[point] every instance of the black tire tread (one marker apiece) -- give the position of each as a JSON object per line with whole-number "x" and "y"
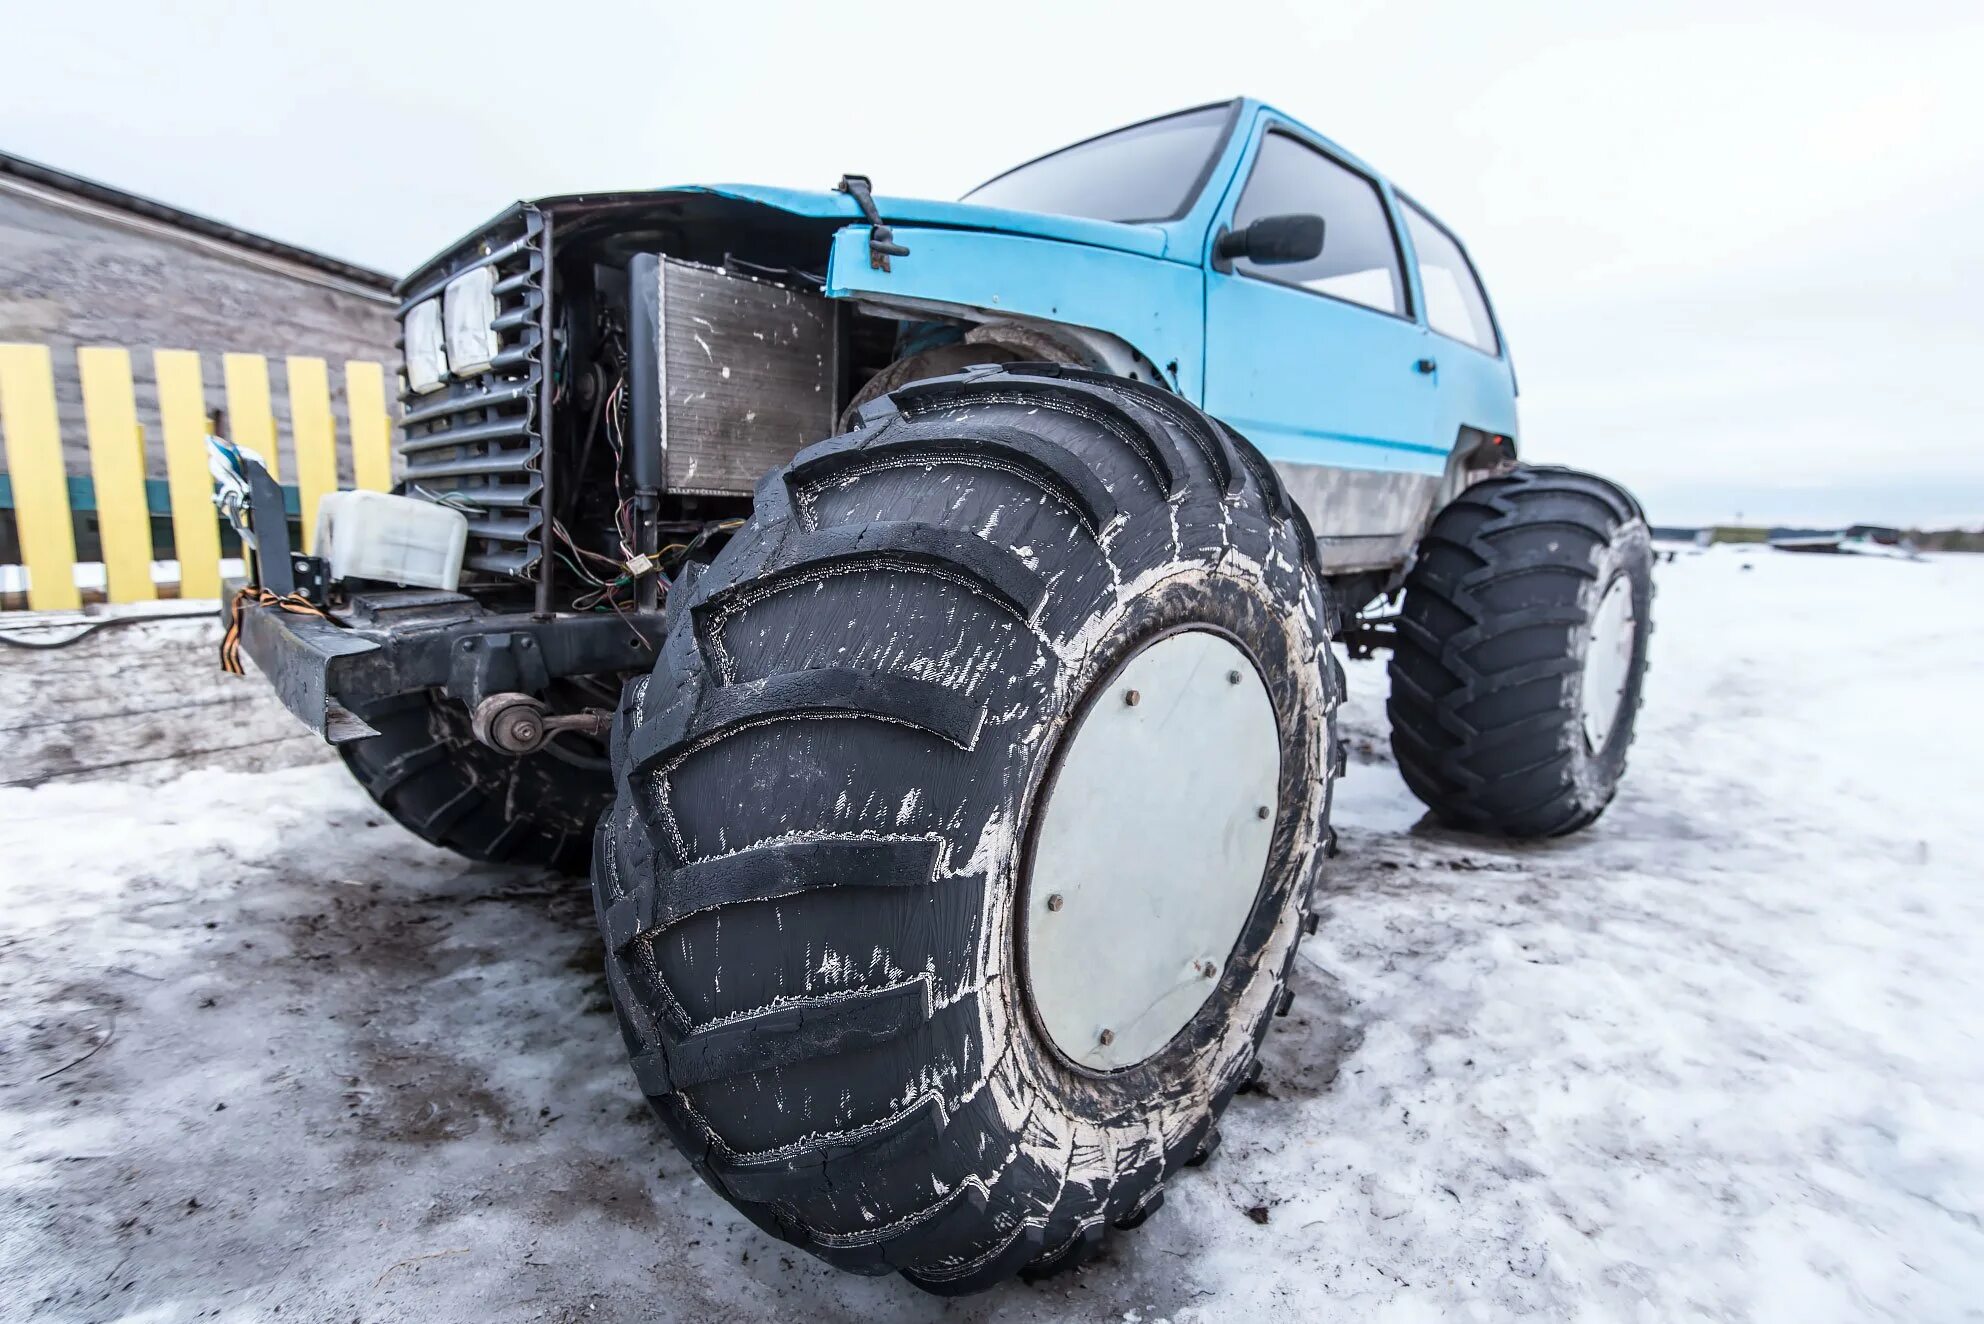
{"x": 993, "y": 569}
{"x": 910, "y": 442}
{"x": 783, "y": 1034}
{"x": 761, "y": 873}
{"x": 430, "y": 775}
{"x": 904, "y": 700}
{"x": 647, "y": 885}
{"x": 1468, "y": 736}
{"x": 1084, "y": 396}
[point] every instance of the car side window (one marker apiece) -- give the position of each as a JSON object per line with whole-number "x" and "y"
{"x": 1455, "y": 305}
{"x": 1359, "y": 262}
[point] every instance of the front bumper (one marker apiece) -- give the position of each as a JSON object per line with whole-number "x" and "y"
{"x": 329, "y": 672}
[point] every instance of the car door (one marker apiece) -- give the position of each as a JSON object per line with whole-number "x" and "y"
{"x": 1322, "y": 364}
{"x": 1477, "y": 386}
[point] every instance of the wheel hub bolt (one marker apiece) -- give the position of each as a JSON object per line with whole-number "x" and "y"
{"x": 1262, "y": 812}
{"x": 1107, "y": 1037}
{"x": 1054, "y": 901}
{"x": 1232, "y": 678}
{"x": 1132, "y": 698}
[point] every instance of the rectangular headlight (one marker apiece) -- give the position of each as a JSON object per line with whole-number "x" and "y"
{"x": 426, "y": 359}
{"x": 470, "y": 301}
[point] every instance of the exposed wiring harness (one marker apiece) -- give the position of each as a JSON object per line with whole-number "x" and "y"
{"x": 602, "y": 578}
{"x": 616, "y": 439}
{"x": 230, "y": 643}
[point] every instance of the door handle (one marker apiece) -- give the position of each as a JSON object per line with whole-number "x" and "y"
{"x": 1426, "y": 366}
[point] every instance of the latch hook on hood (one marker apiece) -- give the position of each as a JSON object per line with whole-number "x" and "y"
{"x": 882, "y": 243}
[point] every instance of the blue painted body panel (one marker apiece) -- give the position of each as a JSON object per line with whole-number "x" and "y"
{"x": 1310, "y": 379}
{"x": 1148, "y": 240}
{"x": 1307, "y": 378}
{"x": 1154, "y": 305}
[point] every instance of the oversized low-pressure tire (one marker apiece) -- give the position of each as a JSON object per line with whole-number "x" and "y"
{"x": 937, "y": 361}
{"x": 1521, "y": 646}
{"x": 967, "y": 823}
{"x": 429, "y": 772}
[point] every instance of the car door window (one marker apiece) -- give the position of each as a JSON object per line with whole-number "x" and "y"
{"x": 1359, "y": 262}
{"x": 1455, "y": 305}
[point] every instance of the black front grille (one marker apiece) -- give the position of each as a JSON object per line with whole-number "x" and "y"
{"x": 477, "y": 442}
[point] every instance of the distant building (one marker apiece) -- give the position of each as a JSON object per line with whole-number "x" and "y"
{"x": 82, "y": 263}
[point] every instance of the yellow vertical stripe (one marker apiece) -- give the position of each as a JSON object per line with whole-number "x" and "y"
{"x": 250, "y": 421}
{"x": 371, "y": 430}
{"x": 117, "y": 464}
{"x": 41, "y": 488}
{"x": 182, "y": 408}
{"x": 310, "y": 426}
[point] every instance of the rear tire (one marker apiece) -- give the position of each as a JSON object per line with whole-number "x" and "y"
{"x": 1498, "y": 723}
{"x": 429, "y": 772}
{"x": 814, "y": 883}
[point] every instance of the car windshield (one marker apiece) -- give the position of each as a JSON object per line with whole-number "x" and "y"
{"x": 1147, "y": 172}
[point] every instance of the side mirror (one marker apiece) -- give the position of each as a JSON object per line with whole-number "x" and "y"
{"x": 1271, "y": 241}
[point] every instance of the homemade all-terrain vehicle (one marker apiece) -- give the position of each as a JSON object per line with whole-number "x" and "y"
{"x": 918, "y": 615}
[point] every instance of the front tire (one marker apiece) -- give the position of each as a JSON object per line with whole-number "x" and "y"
{"x": 815, "y": 885}
{"x": 1521, "y": 647}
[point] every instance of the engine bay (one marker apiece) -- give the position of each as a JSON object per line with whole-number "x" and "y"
{"x": 596, "y": 385}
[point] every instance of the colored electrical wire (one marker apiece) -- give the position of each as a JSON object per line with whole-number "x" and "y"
{"x": 230, "y": 643}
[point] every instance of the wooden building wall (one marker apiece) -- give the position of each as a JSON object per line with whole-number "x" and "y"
{"x": 75, "y": 273}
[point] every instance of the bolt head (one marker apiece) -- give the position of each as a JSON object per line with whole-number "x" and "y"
{"x": 1232, "y": 678}
{"x": 1132, "y": 698}
{"x": 1107, "y": 1037}
{"x": 1054, "y": 901}
{"x": 1263, "y": 812}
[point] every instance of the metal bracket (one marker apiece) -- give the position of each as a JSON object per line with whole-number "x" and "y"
{"x": 312, "y": 577}
{"x": 495, "y": 663}
{"x": 270, "y": 523}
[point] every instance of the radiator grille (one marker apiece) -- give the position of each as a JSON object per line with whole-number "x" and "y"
{"x": 477, "y": 440}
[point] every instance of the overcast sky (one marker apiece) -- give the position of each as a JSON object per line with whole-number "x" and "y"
{"x": 1737, "y": 249}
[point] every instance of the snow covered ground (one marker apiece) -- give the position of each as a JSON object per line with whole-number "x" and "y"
{"x": 1719, "y": 1056}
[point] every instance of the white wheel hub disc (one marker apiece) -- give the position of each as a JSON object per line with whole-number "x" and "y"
{"x": 1150, "y": 849}
{"x": 1608, "y": 663}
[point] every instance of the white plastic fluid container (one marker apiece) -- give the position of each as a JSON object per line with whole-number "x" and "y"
{"x": 401, "y": 540}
